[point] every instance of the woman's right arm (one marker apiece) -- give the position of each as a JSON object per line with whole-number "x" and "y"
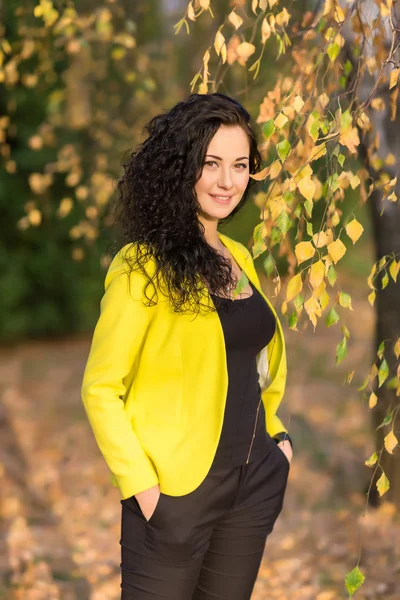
{"x": 118, "y": 335}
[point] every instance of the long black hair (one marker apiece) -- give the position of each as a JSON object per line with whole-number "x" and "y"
{"x": 157, "y": 207}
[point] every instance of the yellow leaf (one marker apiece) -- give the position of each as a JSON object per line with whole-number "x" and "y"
{"x": 203, "y": 88}
{"x": 280, "y": 121}
{"x": 304, "y": 251}
{"x": 218, "y": 42}
{"x": 312, "y": 308}
{"x": 235, "y": 20}
{"x": 205, "y": 4}
{"x": 394, "y": 76}
{"x": 354, "y": 181}
{"x": 298, "y": 103}
{"x": 294, "y": 287}
{"x": 275, "y": 169}
{"x": 317, "y": 152}
{"x": 320, "y": 239}
{"x": 396, "y": 348}
{"x": 391, "y": 442}
{"x": 223, "y": 53}
{"x": 336, "y": 250}
{"x": 354, "y": 230}
{"x": 392, "y": 197}
{"x": 382, "y": 484}
{"x": 265, "y": 30}
{"x": 319, "y": 290}
{"x": 317, "y": 273}
{"x": 190, "y": 12}
{"x": 261, "y": 175}
{"x": 338, "y": 13}
{"x": 373, "y": 399}
{"x": 245, "y": 50}
{"x": 282, "y": 18}
{"x": 350, "y": 139}
{"x": 307, "y": 187}
{"x": 371, "y": 297}
{"x": 394, "y": 269}
{"x": 324, "y": 300}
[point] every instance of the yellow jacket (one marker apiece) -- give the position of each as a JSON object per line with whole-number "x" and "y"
{"x": 155, "y": 384}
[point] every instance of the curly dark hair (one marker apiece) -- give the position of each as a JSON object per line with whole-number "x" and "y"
{"x": 157, "y": 208}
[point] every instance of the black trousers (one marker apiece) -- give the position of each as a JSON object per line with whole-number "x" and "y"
{"x": 206, "y": 545}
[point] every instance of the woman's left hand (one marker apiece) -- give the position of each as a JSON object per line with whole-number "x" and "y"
{"x": 286, "y": 448}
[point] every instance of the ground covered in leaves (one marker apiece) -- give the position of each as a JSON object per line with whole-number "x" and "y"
{"x": 60, "y": 517}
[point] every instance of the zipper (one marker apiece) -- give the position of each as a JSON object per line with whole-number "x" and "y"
{"x": 254, "y": 430}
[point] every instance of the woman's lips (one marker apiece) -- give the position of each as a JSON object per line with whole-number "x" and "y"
{"x": 221, "y": 199}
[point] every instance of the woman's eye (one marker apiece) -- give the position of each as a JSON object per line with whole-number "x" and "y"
{"x": 212, "y": 162}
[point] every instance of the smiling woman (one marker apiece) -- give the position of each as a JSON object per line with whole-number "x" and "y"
{"x": 183, "y": 407}
{"x": 224, "y": 179}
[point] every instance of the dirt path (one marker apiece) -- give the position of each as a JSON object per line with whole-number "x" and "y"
{"x": 61, "y": 517}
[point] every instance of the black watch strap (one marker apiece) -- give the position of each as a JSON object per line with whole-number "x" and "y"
{"x": 280, "y": 437}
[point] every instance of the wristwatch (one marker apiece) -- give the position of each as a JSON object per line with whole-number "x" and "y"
{"x": 280, "y": 437}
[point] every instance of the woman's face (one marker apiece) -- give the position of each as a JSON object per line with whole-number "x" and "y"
{"x": 225, "y": 174}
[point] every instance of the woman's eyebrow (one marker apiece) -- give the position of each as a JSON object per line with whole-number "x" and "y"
{"x": 219, "y": 158}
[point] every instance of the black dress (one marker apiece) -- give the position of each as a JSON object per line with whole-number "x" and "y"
{"x": 248, "y": 325}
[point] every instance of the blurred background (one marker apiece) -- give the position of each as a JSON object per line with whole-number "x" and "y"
{"x": 75, "y": 94}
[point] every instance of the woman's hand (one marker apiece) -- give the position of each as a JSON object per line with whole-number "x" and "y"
{"x": 148, "y": 500}
{"x": 286, "y": 448}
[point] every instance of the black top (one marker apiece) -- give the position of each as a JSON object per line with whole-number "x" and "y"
{"x": 248, "y": 325}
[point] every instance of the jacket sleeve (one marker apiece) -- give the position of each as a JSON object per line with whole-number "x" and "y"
{"x": 118, "y": 335}
{"x": 272, "y": 395}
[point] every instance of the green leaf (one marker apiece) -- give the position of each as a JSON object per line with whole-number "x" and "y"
{"x": 381, "y": 349}
{"x": 371, "y": 461}
{"x": 269, "y": 264}
{"x": 308, "y": 205}
{"x": 333, "y": 51}
{"x": 332, "y": 317}
{"x": 386, "y": 421}
{"x": 341, "y": 159}
{"x": 293, "y": 319}
{"x": 283, "y": 149}
{"x": 383, "y": 372}
{"x": 364, "y": 384}
{"x": 268, "y": 128}
{"x": 332, "y": 275}
{"x": 347, "y": 67}
{"x": 283, "y": 222}
{"x": 385, "y": 280}
{"x": 345, "y": 300}
{"x": 341, "y": 350}
{"x": 298, "y": 301}
{"x": 259, "y": 245}
{"x": 354, "y": 581}
{"x": 309, "y": 228}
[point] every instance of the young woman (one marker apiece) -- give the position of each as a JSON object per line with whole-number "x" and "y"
{"x": 185, "y": 375}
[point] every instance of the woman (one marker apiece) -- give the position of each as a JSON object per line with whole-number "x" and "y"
{"x": 185, "y": 374}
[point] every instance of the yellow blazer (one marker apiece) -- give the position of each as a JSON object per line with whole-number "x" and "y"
{"x": 155, "y": 383}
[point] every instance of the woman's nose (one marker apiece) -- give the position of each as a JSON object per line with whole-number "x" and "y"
{"x": 225, "y": 178}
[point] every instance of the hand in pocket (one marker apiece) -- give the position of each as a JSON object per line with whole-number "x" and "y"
{"x": 148, "y": 500}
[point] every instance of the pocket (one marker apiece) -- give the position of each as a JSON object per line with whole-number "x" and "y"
{"x": 151, "y": 520}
